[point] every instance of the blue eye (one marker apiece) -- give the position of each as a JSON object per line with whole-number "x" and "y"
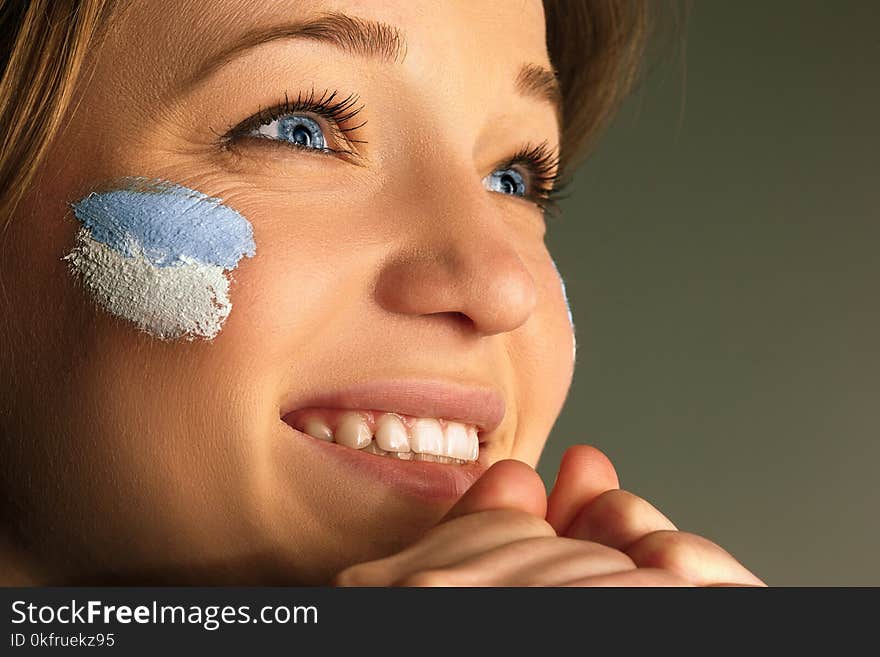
{"x": 296, "y": 129}
{"x": 506, "y": 181}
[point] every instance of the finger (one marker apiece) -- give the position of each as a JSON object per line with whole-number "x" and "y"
{"x": 544, "y": 561}
{"x": 693, "y": 557}
{"x": 584, "y": 473}
{"x": 639, "y": 577}
{"x": 449, "y": 543}
{"x": 617, "y": 518}
{"x": 507, "y": 484}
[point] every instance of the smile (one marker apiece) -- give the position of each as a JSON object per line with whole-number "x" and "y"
{"x": 391, "y": 434}
{"x": 416, "y": 420}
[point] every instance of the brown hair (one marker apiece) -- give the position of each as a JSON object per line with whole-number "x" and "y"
{"x": 42, "y": 50}
{"x": 596, "y": 47}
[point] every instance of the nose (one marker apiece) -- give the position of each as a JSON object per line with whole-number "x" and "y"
{"x": 462, "y": 260}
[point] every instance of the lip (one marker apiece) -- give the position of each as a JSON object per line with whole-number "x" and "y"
{"x": 478, "y": 405}
{"x": 481, "y": 406}
{"x": 424, "y": 480}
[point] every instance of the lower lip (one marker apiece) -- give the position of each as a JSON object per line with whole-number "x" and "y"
{"x": 426, "y": 480}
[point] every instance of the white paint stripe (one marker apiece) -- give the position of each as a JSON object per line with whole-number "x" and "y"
{"x": 189, "y": 300}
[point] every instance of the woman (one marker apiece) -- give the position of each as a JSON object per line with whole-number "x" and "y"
{"x": 277, "y": 305}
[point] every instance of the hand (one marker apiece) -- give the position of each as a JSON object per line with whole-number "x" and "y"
{"x": 497, "y": 535}
{"x": 587, "y": 503}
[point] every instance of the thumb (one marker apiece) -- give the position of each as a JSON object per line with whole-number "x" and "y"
{"x": 584, "y": 473}
{"x": 507, "y": 484}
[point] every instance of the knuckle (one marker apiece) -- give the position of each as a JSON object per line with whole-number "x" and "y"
{"x": 574, "y": 550}
{"x": 578, "y": 553}
{"x": 623, "y": 509}
{"x": 615, "y": 507}
{"x": 668, "y": 549}
{"x": 622, "y": 559}
{"x": 692, "y": 556}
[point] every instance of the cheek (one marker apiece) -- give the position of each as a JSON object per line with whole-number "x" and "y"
{"x": 158, "y": 255}
{"x": 544, "y": 366}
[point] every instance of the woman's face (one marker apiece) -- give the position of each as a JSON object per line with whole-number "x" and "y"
{"x": 409, "y": 276}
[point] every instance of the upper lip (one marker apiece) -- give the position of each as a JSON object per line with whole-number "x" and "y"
{"x": 470, "y": 404}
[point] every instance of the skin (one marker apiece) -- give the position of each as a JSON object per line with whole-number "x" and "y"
{"x": 154, "y": 461}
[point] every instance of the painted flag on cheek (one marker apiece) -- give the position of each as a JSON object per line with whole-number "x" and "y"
{"x": 158, "y": 254}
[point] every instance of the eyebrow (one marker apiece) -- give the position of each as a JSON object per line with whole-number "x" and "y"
{"x": 356, "y": 36}
{"x": 373, "y": 40}
{"x": 536, "y": 81}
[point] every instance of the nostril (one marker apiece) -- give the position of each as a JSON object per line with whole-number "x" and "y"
{"x": 458, "y": 319}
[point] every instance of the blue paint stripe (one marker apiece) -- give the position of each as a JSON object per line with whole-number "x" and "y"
{"x": 168, "y": 222}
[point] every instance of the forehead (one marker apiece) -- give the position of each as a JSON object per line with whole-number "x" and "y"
{"x": 459, "y": 35}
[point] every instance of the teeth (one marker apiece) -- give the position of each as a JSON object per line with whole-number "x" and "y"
{"x": 353, "y": 431}
{"x": 317, "y": 429}
{"x": 426, "y": 437}
{"x": 397, "y": 436}
{"x": 458, "y": 444}
{"x": 391, "y": 434}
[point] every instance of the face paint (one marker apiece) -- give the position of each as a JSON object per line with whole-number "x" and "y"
{"x": 568, "y": 308}
{"x": 156, "y": 253}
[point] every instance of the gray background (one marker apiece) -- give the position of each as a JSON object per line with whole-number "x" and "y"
{"x": 720, "y": 253}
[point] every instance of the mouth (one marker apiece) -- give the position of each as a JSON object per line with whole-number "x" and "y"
{"x": 393, "y": 435}
{"x": 407, "y": 431}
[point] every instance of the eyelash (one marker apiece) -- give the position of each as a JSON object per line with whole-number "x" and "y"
{"x": 540, "y": 161}
{"x": 336, "y": 112}
{"x": 545, "y": 179}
